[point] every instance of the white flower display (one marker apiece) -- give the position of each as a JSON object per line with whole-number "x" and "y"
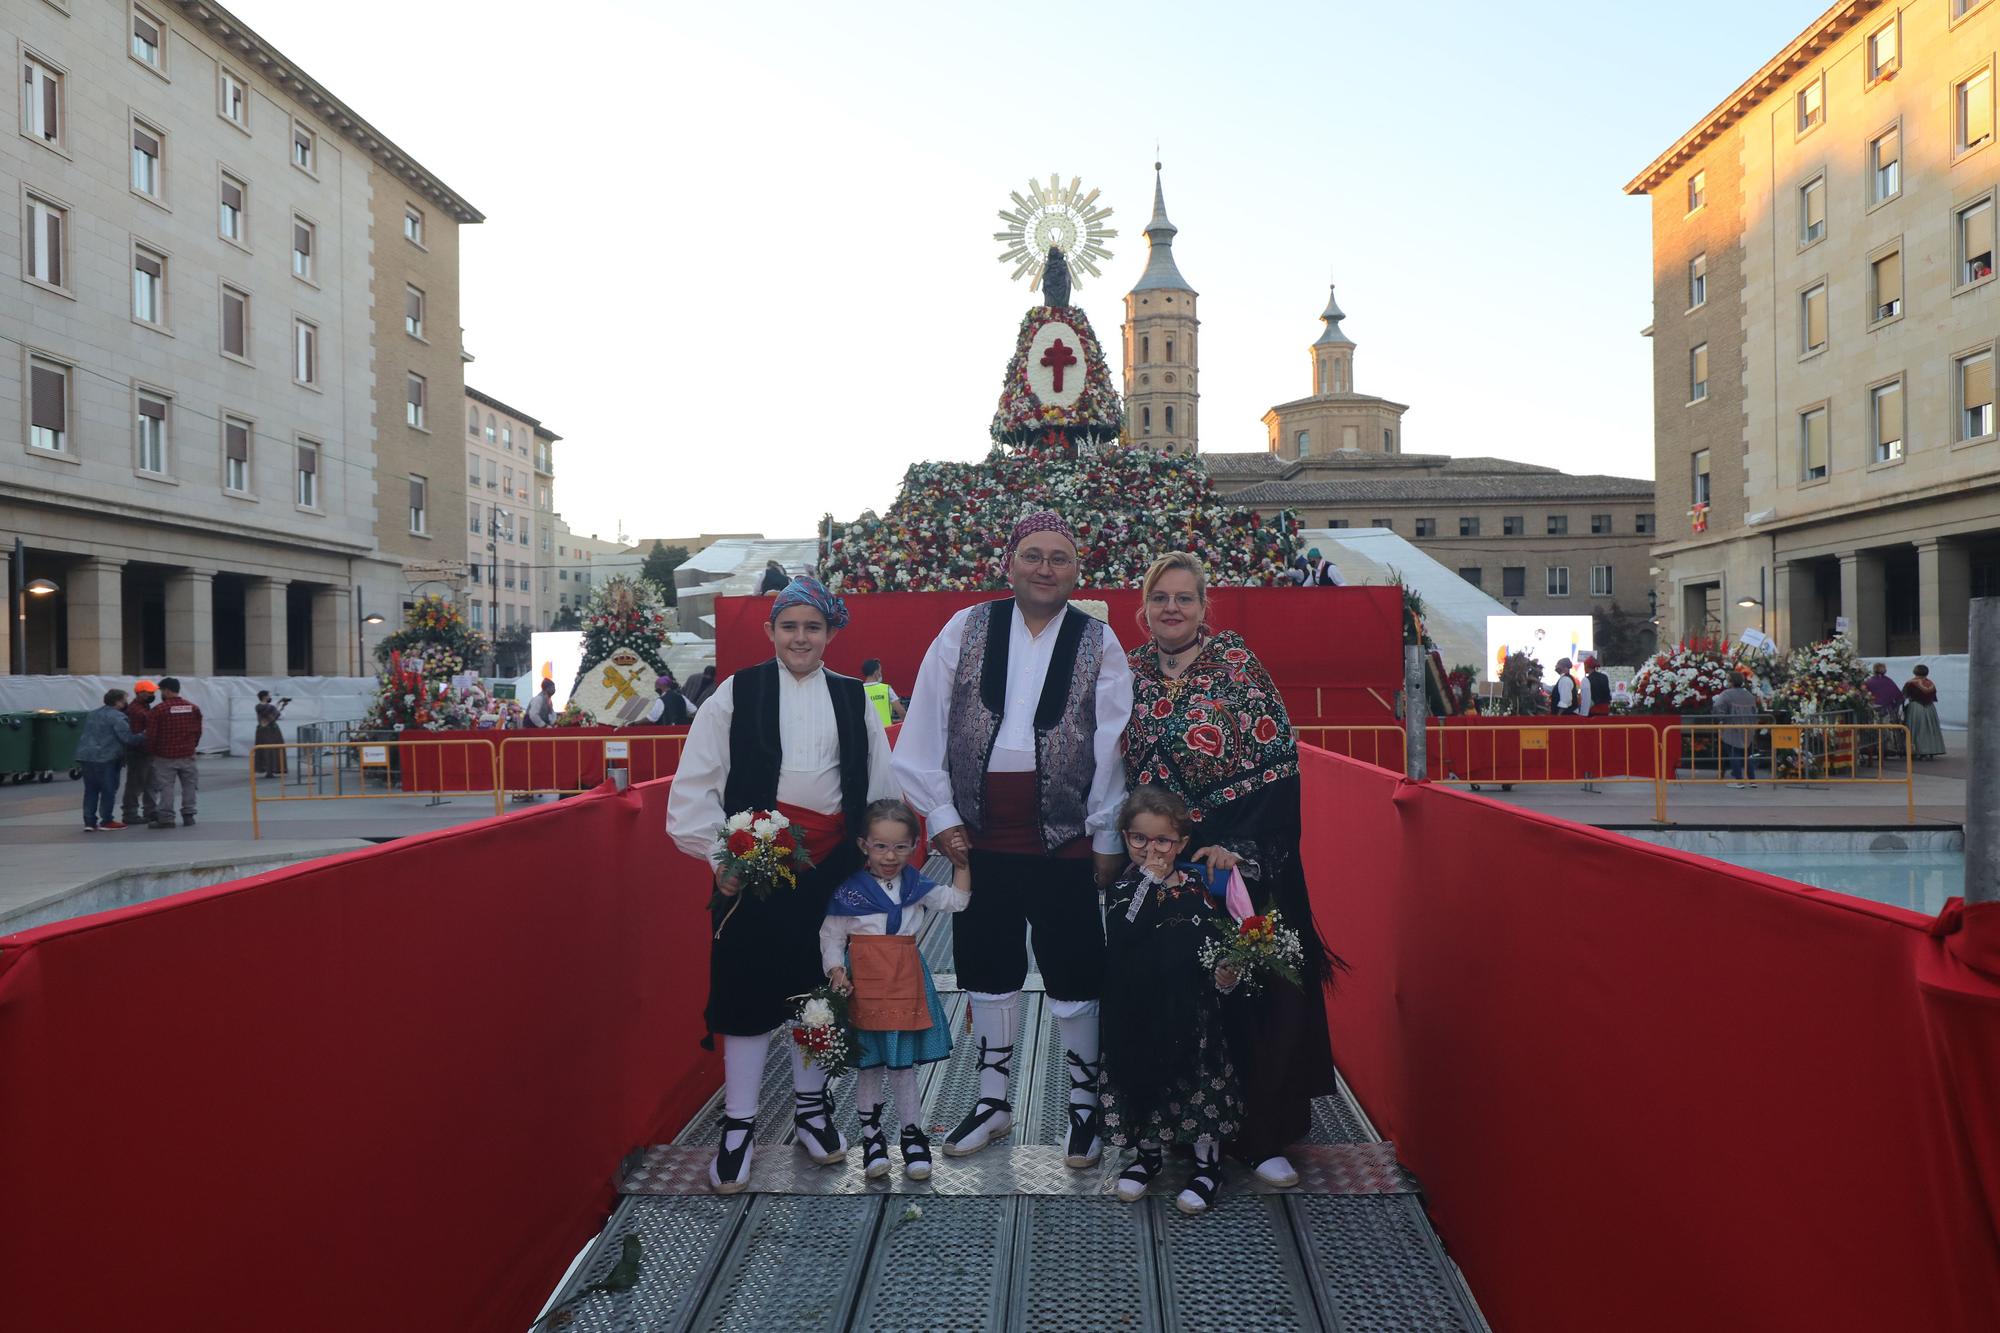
{"x": 765, "y": 829}
{"x": 737, "y": 822}
{"x": 816, "y": 1014}
{"x": 779, "y": 820}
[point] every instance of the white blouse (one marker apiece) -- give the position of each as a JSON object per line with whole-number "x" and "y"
{"x": 808, "y": 773}
{"x": 833, "y": 932}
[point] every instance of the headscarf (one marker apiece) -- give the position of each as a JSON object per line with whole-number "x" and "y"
{"x": 1045, "y": 521}
{"x": 805, "y": 590}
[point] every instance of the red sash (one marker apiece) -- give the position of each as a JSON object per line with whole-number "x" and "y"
{"x": 822, "y": 833}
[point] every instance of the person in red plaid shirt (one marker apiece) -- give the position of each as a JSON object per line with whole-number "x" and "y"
{"x": 173, "y": 729}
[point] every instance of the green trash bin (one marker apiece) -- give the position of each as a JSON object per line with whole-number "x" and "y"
{"x": 55, "y": 737}
{"x": 17, "y": 745}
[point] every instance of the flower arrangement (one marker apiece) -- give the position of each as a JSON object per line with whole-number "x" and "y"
{"x": 574, "y": 714}
{"x": 625, "y": 611}
{"x": 1682, "y": 680}
{"x": 423, "y": 684}
{"x": 821, "y": 1032}
{"x": 435, "y": 625}
{"x": 1096, "y": 417}
{"x": 1824, "y": 679}
{"x": 1256, "y": 949}
{"x": 759, "y": 847}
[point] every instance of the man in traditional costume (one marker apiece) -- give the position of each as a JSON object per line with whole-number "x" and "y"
{"x": 791, "y": 736}
{"x": 1010, "y": 751}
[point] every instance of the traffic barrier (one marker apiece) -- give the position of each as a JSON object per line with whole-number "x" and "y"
{"x": 1380, "y": 745}
{"x": 1810, "y": 752}
{"x": 533, "y": 765}
{"x": 353, "y": 765}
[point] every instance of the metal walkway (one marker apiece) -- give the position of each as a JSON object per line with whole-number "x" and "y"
{"x": 1010, "y": 1239}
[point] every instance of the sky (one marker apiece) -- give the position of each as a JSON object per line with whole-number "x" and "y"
{"x": 740, "y": 257}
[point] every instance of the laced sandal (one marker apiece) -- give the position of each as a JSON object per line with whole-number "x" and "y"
{"x": 818, "y": 1136}
{"x": 1086, "y": 1143}
{"x": 916, "y": 1154}
{"x": 1203, "y": 1185}
{"x": 1134, "y": 1180}
{"x": 874, "y": 1144}
{"x": 990, "y": 1117}
{"x": 729, "y": 1172}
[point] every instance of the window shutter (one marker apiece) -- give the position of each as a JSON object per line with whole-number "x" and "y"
{"x": 302, "y": 238}
{"x": 232, "y": 194}
{"x": 1816, "y": 441}
{"x": 308, "y": 459}
{"x": 1891, "y": 149}
{"x": 236, "y": 442}
{"x": 49, "y": 108}
{"x": 413, "y": 305}
{"x": 152, "y": 407}
{"x": 232, "y": 323}
{"x": 1889, "y": 279}
{"x": 144, "y": 30}
{"x": 1815, "y": 205}
{"x": 145, "y": 142}
{"x": 416, "y": 391}
{"x": 1816, "y": 317}
{"x": 1976, "y": 226}
{"x": 55, "y": 247}
{"x": 48, "y": 411}
{"x": 416, "y": 493}
{"x": 147, "y": 265}
{"x": 1979, "y": 382}
{"x": 1978, "y": 109}
{"x": 1889, "y": 414}
{"x": 1701, "y": 364}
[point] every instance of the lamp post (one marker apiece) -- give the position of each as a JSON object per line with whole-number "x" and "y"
{"x": 24, "y": 588}
{"x": 1746, "y": 602}
{"x": 362, "y": 620}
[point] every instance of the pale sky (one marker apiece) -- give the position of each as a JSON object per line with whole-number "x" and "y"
{"x": 740, "y": 256}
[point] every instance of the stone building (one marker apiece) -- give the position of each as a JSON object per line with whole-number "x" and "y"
{"x": 1824, "y": 321}
{"x": 510, "y": 516}
{"x": 1161, "y": 340}
{"x": 1335, "y": 418}
{"x": 221, "y": 442}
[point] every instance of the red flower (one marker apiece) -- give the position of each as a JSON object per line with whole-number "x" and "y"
{"x": 742, "y": 842}
{"x": 1162, "y": 707}
{"x": 1207, "y": 738}
{"x": 1265, "y": 731}
{"x": 1253, "y": 925}
{"x": 1235, "y": 655}
{"x": 783, "y": 841}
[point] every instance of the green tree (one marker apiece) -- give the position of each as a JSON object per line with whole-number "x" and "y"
{"x": 1623, "y": 638}
{"x": 567, "y": 618}
{"x": 661, "y": 562}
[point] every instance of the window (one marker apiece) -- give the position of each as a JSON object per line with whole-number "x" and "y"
{"x": 233, "y": 220}
{"x": 1512, "y": 526}
{"x": 1427, "y": 527}
{"x": 1812, "y": 444}
{"x": 1600, "y": 581}
{"x": 1972, "y": 384}
{"x": 308, "y": 490}
{"x": 1145, "y": 421}
{"x": 1468, "y": 527}
{"x": 151, "y": 422}
{"x": 1697, "y": 190}
{"x": 41, "y": 102}
{"x": 1812, "y": 211}
{"x": 1513, "y": 580}
{"x": 478, "y": 610}
{"x": 508, "y": 567}
{"x": 1885, "y": 411}
{"x": 1558, "y": 525}
{"x": 492, "y": 475}
{"x": 1302, "y": 441}
{"x": 149, "y": 286}
{"x": 413, "y": 312}
{"x": 1642, "y": 524}
{"x": 1600, "y": 525}
{"x": 1170, "y": 418}
{"x": 472, "y": 517}
{"x": 1885, "y": 51}
{"x": 507, "y": 482}
{"x": 48, "y": 410}
{"x": 1388, "y": 523}
{"x": 305, "y": 149}
{"x": 149, "y": 40}
{"x": 1960, "y": 8}
{"x": 1812, "y": 105}
{"x": 1170, "y": 349}
{"x": 413, "y": 402}
{"x": 1471, "y": 574}
{"x": 1337, "y": 523}
{"x": 1973, "y": 98}
{"x": 417, "y": 491}
{"x": 235, "y": 323}
{"x": 472, "y": 469}
{"x": 232, "y": 99}
{"x": 507, "y": 438}
{"x": 1697, "y": 281}
{"x": 472, "y": 421}
{"x": 305, "y": 352}
{"x": 1145, "y": 348}
{"x": 492, "y": 430}
{"x": 148, "y": 160}
{"x": 1701, "y": 488}
{"x": 1975, "y": 241}
{"x": 413, "y": 224}
{"x": 1885, "y": 166}
{"x": 47, "y": 236}
{"x": 236, "y": 455}
{"x": 1698, "y": 374}
{"x": 303, "y": 235}
{"x": 1812, "y": 319}
{"x": 521, "y": 535}
{"x": 1558, "y": 580}
{"x": 1885, "y": 286}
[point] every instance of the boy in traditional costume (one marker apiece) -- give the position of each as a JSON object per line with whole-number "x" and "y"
{"x": 791, "y": 736}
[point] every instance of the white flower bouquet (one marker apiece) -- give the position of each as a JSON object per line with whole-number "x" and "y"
{"x": 820, "y": 1030}
{"x": 760, "y": 848}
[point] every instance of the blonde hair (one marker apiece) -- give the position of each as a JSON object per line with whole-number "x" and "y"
{"x": 1149, "y": 798}
{"x": 1166, "y": 565}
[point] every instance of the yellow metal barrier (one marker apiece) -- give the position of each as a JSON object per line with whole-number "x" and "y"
{"x": 1829, "y": 752}
{"x": 1534, "y": 752}
{"x": 532, "y": 765}
{"x": 362, "y": 762}
{"x": 1366, "y": 743}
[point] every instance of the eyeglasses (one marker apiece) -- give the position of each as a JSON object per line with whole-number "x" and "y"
{"x": 1184, "y": 600}
{"x": 1058, "y": 562}
{"x": 1139, "y": 842}
{"x": 884, "y": 848}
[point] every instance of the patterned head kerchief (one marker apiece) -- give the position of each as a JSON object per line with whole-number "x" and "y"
{"x": 1046, "y": 521}
{"x": 805, "y": 590}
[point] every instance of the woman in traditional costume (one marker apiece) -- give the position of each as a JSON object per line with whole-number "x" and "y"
{"x": 791, "y": 736}
{"x": 1920, "y": 714}
{"x": 1208, "y": 724}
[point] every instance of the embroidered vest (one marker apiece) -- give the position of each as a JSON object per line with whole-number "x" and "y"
{"x": 1065, "y": 719}
{"x": 756, "y": 751}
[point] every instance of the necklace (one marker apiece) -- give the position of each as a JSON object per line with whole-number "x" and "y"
{"x": 1171, "y": 657}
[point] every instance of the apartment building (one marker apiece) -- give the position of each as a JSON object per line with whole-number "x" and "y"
{"x": 510, "y": 516}
{"x": 1824, "y": 329}
{"x": 190, "y": 349}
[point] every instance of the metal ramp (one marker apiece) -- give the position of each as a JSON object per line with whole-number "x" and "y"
{"x": 1010, "y": 1239}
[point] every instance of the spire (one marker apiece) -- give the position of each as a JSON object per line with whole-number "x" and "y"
{"x": 1160, "y": 274}
{"x": 1333, "y": 337}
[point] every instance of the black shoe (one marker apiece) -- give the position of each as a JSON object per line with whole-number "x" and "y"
{"x": 187, "y": 821}
{"x": 990, "y": 1117}
{"x": 812, "y": 1117}
{"x": 730, "y": 1171}
{"x": 1201, "y": 1189}
{"x": 916, "y": 1154}
{"x": 161, "y": 824}
{"x": 1134, "y": 1179}
{"x": 1086, "y": 1143}
{"x": 874, "y": 1144}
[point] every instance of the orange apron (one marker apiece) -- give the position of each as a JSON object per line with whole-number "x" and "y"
{"x": 888, "y": 978}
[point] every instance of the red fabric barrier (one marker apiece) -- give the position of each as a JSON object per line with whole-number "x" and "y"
{"x": 1492, "y": 749}
{"x": 439, "y": 761}
{"x": 1327, "y": 648}
{"x": 383, "y": 1090}
{"x": 1647, "y": 1091}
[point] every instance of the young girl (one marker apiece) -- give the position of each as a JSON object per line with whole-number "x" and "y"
{"x": 872, "y": 923}
{"x": 1167, "y": 1073}
{"x": 787, "y": 735}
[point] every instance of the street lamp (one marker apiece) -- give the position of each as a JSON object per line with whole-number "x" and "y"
{"x": 23, "y": 590}
{"x": 363, "y": 619}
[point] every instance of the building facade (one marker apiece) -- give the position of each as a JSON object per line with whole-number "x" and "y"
{"x": 1335, "y": 417}
{"x": 1824, "y": 338}
{"x": 1161, "y": 337}
{"x": 510, "y": 516}
{"x": 190, "y": 348}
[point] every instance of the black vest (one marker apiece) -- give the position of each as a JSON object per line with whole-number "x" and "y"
{"x": 756, "y": 751}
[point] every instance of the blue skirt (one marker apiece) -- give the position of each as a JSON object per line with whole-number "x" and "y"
{"x": 904, "y": 1050}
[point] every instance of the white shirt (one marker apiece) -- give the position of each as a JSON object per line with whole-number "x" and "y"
{"x": 808, "y": 773}
{"x": 833, "y": 932}
{"x": 1565, "y": 693}
{"x": 920, "y": 746}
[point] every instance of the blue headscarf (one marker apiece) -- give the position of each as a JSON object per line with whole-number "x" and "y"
{"x": 805, "y": 590}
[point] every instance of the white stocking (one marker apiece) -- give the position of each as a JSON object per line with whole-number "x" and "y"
{"x": 903, "y": 1082}
{"x": 1076, "y": 1021}
{"x": 994, "y": 1019}
{"x": 743, "y": 1074}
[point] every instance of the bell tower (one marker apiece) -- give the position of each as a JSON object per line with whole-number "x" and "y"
{"x": 1161, "y": 336}
{"x": 1333, "y": 354}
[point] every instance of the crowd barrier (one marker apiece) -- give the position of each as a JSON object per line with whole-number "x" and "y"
{"x": 1648, "y": 1091}
{"x": 351, "y": 768}
{"x": 451, "y": 770}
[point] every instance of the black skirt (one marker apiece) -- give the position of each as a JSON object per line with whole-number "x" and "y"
{"x": 766, "y": 953}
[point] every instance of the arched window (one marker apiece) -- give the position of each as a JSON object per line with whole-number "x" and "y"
{"x": 472, "y": 421}
{"x": 1170, "y": 349}
{"x": 1322, "y": 378}
{"x": 1170, "y": 418}
{"x": 492, "y": 428}
{"x": 1146, "y": 420}
{"x": 1145, "y": 347}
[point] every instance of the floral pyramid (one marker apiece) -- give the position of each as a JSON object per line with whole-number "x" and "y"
{"x": 429, "y": 675}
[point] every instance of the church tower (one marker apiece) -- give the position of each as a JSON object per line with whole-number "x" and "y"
{"x": 1333, "y": 354}
{"x": 1335, "y": 420}
{"x": 1162, "y": 368}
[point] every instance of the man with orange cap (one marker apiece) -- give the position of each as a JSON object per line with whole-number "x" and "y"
{"x": 139, "y": 760}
